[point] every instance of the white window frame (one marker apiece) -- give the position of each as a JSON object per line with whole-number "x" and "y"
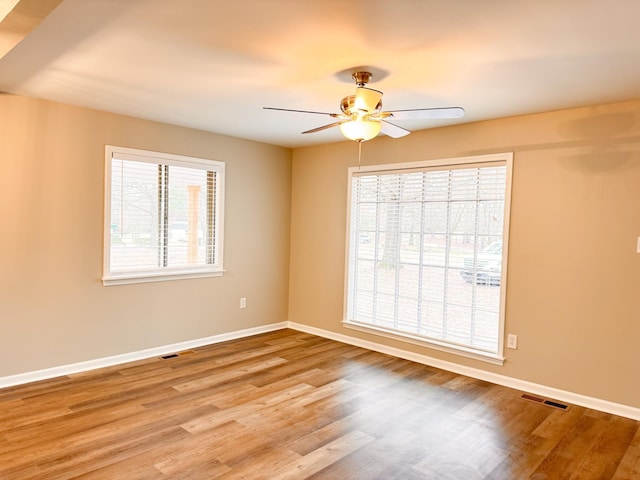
{"x": 159, "y": 274}
{"x": 496, "y": 358}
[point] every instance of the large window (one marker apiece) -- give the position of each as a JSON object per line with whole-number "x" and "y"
{"x": 163, "y": 216}
{"x": 427, "y": 253}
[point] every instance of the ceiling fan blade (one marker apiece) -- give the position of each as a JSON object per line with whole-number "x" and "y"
{"x": 367, "y": 100}
{"x": 392, "y": 130}
{"x": 426, "y": 113}
{"x": 324, "y": 127}
{"x": 301, "y": 111}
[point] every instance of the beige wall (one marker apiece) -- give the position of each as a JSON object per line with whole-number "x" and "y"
{"x": 573, "y": 293}
{"x": 54, "y": 309}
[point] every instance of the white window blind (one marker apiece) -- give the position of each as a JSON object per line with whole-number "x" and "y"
{"x": 163, "y": 216}
{"x": 427, "y": 252}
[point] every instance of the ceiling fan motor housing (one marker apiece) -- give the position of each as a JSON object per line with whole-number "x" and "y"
{"x": 361, "y": 78}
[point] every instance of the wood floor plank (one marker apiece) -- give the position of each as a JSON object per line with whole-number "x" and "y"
{"x": 321, "y": 458}
{"x": 380, "y": 459}
{"x": 253, "y": 466}
{"x": 261, "y": 402}
{"x": 629, "y": 466}
{"x": 225, "y": 376}
{"x": 102, "y": 456}
{"x": 202, "y": 449}
{"x": 291, "y": 405}
{"x": 569, "y": 453}
{"x": 605, "y": 454}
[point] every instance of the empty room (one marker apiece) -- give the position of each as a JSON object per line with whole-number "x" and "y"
{"x": 323, "y": 239}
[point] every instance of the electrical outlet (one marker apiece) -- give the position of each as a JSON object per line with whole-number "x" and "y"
{"x": 243, "y": 302}
{"x": 512, "y": 341}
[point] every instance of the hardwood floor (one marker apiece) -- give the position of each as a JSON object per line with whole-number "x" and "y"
{"x": 289, "y": 405}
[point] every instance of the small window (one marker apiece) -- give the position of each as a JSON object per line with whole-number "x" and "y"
{"x": 163, "y": 216}
{"x": 426, "y": 259}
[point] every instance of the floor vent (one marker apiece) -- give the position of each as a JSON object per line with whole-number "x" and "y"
{"x": 179, "y": 354}
{"x": 544, "y": 401}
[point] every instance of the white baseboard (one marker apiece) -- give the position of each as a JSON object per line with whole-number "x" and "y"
{"x": 47, "y": 373}
{"x": 522, "y": 385}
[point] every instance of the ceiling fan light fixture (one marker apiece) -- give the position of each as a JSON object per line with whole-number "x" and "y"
{"x": 360, "y": 130}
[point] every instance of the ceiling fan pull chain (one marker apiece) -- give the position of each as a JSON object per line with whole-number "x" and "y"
{"x": 359, "y": 152}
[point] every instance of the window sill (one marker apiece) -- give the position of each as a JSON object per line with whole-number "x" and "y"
{"x": 494, "y": 359}
{"x": 146, "y": 277}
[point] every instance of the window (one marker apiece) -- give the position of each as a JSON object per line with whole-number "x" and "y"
{"x": 163, "y": 216}
{"x": 426, "y": 257}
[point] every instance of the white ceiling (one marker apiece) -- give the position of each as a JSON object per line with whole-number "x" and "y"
{"x": 213, "y": 65}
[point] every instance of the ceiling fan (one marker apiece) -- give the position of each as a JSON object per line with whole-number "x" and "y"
{"x": 362, "y": 117}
